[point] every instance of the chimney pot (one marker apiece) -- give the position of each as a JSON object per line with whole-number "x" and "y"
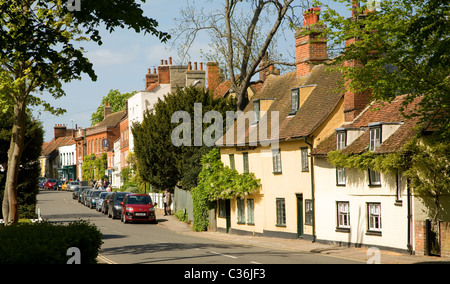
{"x": 170, "y": 60}
{"x": 310, "y": 47}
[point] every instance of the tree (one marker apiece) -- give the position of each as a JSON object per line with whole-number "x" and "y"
{"x": 37, "y": 54}
{"x": 160, "y": 162}
{"x": 29, "y": 171}
{"x": 117, "y": 102}
{"x": 242, "y": 33}
{"x": 402, "y": 46}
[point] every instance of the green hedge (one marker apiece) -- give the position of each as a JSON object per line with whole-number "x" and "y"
{"x": 47, "y": 243}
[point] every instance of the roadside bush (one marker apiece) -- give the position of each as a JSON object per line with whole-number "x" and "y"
{"x": 47, "y": 243}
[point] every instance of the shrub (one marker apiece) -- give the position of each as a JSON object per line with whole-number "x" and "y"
{"x": 47, "y": 243}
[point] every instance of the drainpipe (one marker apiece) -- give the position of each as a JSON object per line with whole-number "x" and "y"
{"x": 312, "y": 192}
{"x": 408, "y": 190}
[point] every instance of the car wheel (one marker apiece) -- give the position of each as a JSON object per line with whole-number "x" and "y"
{"x": 124, "y": 220}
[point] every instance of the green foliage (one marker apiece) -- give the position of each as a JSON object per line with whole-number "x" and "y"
{"x": 29, "y": 170}
{"x": 47, "y": 243}
{"x": 93, "y": 167}
{"x": 215, "y": 182}
{"x": 424, "y": 161}
{"x": 181, "y": 215}
{"x": 117, "y": 102}
{"x": 404, "y": 50}
{"x": 161, "y": 163}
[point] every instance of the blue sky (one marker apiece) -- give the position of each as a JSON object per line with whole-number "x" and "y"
{"x": 121, "y": 63}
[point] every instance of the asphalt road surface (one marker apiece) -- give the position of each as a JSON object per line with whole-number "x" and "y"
{"x": 154, "y": 244}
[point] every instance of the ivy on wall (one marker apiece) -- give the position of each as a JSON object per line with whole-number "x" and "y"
{"x": 216, "y": 181}
{"x": 94, "y": 168}
{"x": 424, "y": 162}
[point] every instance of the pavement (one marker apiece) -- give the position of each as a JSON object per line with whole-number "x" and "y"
{"x": 363, "y": 254}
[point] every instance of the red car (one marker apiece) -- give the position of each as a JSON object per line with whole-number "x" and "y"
{"x": 51, "y": 184}
{"x": 138, "y": 207}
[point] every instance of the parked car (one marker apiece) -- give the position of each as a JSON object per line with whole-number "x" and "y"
{"x": 64, "y": 185}
{"x": 76, "y": 192}
{"x": 60, "y": 183}
{"x": 105, "y": 203}
{"x": 92, "y": 198}
{"x": 51, "y": 184}
{"x": 99, "y": 200}
{"x": 71, "y": 185}
{"x": 83, "y": 192}
{"x": 42, "y": 182}
{"x": 114, "y": 207}
{"x": 138, "y": 207}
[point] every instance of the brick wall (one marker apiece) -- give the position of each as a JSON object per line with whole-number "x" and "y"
{"x": 419, "y": 237}
{"x": 445, "y": 239}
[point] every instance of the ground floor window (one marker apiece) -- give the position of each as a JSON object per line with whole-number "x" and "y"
{"x": 343, "y": 215}
{"x": 250, "y": 211}
{"x": 374, "y": 217}
{"x": 241, "y": 211}
{"x": 281, "y": 212}
{"x": 308, "y": 212}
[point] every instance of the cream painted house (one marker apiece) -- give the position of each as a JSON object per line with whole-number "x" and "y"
{"x": 306, "y": 108}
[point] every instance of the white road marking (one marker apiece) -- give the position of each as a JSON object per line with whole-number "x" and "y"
{"x": 226, "y": 255}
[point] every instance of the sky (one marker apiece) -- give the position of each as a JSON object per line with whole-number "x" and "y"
{"x": 121, "y": 63}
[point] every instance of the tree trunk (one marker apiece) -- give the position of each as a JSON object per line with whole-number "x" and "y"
{"x": 10, "y": 206}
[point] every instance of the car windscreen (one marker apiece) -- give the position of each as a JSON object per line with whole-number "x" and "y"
{"x": 96, "y": 193}
{"x": 139, "y": 199}
{"x": 119, "y": 197}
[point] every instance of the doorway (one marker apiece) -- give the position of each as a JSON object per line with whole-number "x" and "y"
{"x": 228, "y": 214}
{"x": 299, "y": 215}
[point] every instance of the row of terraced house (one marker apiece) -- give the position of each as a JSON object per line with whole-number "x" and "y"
{"x": 302, "y": 195}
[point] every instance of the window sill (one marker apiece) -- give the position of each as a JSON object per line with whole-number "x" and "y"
{"x": 282, "y": 226}
{"x": 343, "y": 230}
{"x": 373, "y": 233}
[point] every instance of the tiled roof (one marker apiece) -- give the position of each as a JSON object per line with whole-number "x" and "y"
{"x": 314, "y": 110}
{"x": 49, "y": 147}
{"x": 377, "y": 112}
{"x": 110, "y": 120}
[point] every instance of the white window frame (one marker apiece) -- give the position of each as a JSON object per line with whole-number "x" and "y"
{"x": 340, "y": 176}
{"x": 374, "y": 217}
{"x": 276, "y": 161}
{"x": 343, "y": 214}
{"x": 305, "y": 160}
{"x": 374, "y": 178}
{"x": 341, "y": 140}
{"x": 375, "y": 138}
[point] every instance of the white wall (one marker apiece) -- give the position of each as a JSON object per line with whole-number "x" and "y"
{"x": 358, "y": 193}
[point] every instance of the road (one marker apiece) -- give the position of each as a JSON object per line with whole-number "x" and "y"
{"x": 154, "y": 244}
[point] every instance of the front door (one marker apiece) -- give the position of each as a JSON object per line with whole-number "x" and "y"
{"x": 299, "y": 215}
{"x": 228, "y": 214}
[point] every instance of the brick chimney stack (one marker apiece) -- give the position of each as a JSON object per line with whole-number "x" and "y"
{"x": 213, "y": 75}
{"x": 354, "y": 102}
{"x": 151, "y": 78}
{"x": 164, "y": 72}
{"x": 107, "y": 110}
{"x": 311, "y": 46}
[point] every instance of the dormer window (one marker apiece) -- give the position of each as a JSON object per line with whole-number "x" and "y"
{"x": 295, "y": 100}
{"x": 375, "y": 138}
{"x": 256, "y": 111}
{"x": 341, "y": 139}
